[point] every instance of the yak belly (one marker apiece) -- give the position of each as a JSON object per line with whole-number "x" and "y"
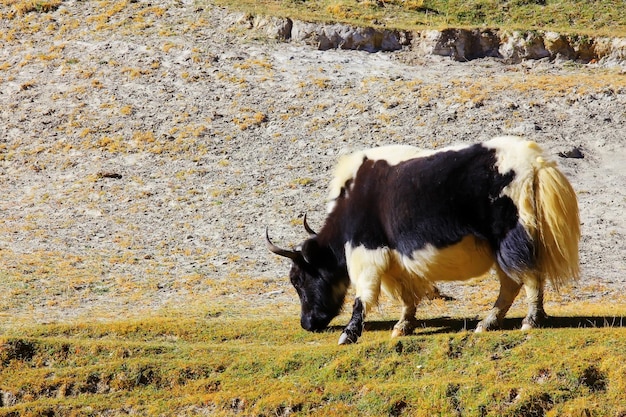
{"x": 411, "y": 278}
{"x": 469, "y": 258}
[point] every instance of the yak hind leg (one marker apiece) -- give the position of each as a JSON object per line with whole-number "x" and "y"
{"x": 509, "y": 289}
{"x": 534, "y": 298}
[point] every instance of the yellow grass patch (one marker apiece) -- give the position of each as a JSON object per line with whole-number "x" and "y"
{"x": 18, "y": 8}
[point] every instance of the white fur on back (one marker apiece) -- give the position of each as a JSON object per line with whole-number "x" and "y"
{"x": 515, "y": 154}
{"x": 523, "y": 158}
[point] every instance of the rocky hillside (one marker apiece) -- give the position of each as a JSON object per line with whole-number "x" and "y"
{"x": 145, "y": 146}
{"x": 459, "y": 44}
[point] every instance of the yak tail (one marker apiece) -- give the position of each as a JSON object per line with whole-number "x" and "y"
{"x": 558, "y": 225}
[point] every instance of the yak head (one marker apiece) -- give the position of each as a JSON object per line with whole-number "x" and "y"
{"x": 320, "y": 281}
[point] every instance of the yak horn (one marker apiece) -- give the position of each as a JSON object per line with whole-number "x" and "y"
{"x": 291, "y": 254}
{"x": 307, "y": 227}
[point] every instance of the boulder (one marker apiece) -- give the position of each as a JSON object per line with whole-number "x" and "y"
{"x": 341, "y": 36}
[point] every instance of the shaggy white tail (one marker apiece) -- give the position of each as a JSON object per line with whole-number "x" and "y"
{"x": 558, "y": 225}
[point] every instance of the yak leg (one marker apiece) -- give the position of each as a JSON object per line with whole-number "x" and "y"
{"x": 407, "y": 322}
{"x": 354, "y": 329}
{"x": 366, "y": 298}
{"x": 365, "y": 268}
{"x": 509, "y": 289}
{"x": 534, "y": 298}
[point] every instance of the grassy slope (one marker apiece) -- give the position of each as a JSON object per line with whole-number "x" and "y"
{"x": 597, "y": 18}
{"x": 226, "y": 365}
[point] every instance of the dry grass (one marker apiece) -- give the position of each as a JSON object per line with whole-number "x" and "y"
{"x": 215, "y": 364}
{"x": 18, "y": 8}
{"x": 568, "y": 16}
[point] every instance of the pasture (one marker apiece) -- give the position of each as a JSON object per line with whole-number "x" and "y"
{"x": 227, "y": 365}
{"x": 144, "y": 148}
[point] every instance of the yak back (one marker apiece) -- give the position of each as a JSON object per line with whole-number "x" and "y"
{"x": 434, "y": 199}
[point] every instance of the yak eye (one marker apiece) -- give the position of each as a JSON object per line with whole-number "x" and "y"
{"x": 296, "y": 280}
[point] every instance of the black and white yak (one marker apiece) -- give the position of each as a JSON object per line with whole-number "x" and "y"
{"x": 401, "y": 218}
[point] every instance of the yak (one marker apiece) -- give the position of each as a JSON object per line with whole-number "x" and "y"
{"x": 401, "y": 218}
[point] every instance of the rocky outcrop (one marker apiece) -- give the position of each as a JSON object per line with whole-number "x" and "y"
{"x": 516, "y": 46}
{"x": 340, "y": 36}
{"x": 459, "y": 44}
{"x": 329, "y": 36}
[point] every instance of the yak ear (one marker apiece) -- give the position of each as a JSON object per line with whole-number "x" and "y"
{"x": 311, "y": 251}
{"x": 315, "y": 254}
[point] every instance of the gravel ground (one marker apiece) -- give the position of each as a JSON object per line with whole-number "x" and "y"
{"x": 144, "y": 148}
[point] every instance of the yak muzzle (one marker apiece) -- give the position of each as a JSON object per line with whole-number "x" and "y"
{"x": 314, "y": 324}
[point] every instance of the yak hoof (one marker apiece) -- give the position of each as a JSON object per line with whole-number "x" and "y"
{"x": 345, "y": 339}
{"x": 404, "y": 328}
{"x": 486, "y": 325}
{"x": 529, "y": 324}
{"x": 534, "y": 321}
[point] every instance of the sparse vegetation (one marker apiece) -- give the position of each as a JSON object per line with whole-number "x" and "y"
{"x": 595, "y": 18}
{"x": 18, "y": 8}
{"x": 228, "y": 365}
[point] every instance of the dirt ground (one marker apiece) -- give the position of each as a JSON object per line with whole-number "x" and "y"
{"x": 144, "y": 148}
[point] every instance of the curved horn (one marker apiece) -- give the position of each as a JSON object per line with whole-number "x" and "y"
{"x": 291, "y": 254}
{"x": 307, "y": 227}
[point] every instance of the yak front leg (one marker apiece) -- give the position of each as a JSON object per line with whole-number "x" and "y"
{"x": 365, "y": 268}
{"x": 407, "y": 322}
{"x": 366, "y": 298}
{"x": 354, "y": 329}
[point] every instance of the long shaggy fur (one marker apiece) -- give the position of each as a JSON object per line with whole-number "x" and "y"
{"x": 558, "y": 225}
{"x": 547, "y": 205}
